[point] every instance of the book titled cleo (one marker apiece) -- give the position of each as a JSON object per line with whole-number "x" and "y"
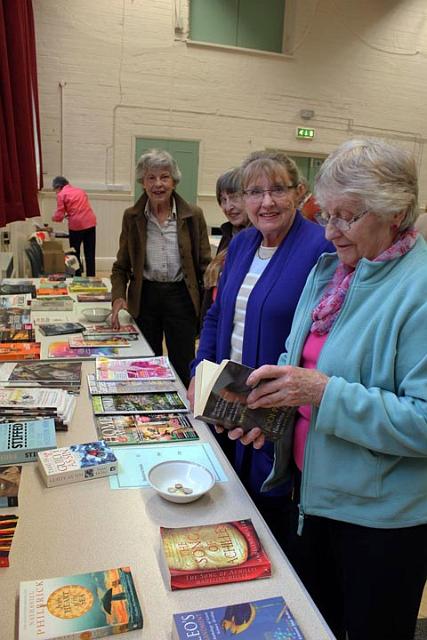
{"x": 77, "y": 462}
{"x": 88, "y": 605}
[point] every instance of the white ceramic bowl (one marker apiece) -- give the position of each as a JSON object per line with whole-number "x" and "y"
{"x": 190, "y": 476}
{"x": 96, "y": 314}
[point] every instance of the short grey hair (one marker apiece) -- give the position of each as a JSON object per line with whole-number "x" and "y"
{"x": 157, "y": 159}
{"x": 268, "y": 162}
{"x": 228, "y": 182}
{"x": 381, "y": 177}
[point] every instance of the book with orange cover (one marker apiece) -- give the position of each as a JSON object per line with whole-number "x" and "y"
{"x": 20, "y": 351}
{"x": 205, "y": 555}
{"x": 48, "y": 290}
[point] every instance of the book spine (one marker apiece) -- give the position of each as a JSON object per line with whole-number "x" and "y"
{"x": 77, "y": 475}
{"x": 22, "y": 455}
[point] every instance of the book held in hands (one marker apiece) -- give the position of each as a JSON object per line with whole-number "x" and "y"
{"x": 205, "y": 555}
{"x": 220, "y": 398}
{"x": 88, "y": 605}
{"x": 77, "y": 462}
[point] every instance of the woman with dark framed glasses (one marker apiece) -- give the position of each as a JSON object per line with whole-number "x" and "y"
{"x": 265, "y": 271}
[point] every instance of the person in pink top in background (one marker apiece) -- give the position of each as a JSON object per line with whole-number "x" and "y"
{"x": 72, "y": 203}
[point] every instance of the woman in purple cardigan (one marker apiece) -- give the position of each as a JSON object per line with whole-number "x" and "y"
{"x": 264, "y": 273}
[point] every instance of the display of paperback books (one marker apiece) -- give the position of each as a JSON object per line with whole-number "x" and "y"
{"x": 139, "y": 403}
{"x": 268, "y": 619}
{"x": 81, "y": 342}
{"x": 17, "y": 335}
{"x": 42, "y": 373}
{"x": 97, "y": 387}
{"x": 94, "y": 297}
{"x": 33, "y": 401}
{"x": 61, "y": 328}
{"x": 139, "y": 429}
{"x": 209, "y": 554}
{"x": 20, "y": 441}
{"x": 63, "y": 350}
{"x": 88, "y": 605}
{"x": 53, "y": 303}
{"x": 77, "y": 462}
{"x": 20, "y": 351}
{"x": 10, "y": 477}
{"x": 220, "y": 398}
{"x": 154, "y": 368}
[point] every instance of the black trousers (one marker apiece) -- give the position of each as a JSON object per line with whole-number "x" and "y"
{"x": 167, "y": 310}
{"x": 366, "y": 582}
{"x": 88, "y": 238}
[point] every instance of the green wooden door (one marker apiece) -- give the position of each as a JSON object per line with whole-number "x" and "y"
{"x": 185, "y": 152}
{"x": 308, "y": 167}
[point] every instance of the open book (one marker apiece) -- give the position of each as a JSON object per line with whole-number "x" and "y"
{"x": 220, "y": 398}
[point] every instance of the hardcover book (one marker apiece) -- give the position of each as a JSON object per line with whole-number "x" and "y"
{"x": 88, "y": 605}
{"x": 20, "y": 351}
{"x": 61, "y": 328}
{"x": 268, "y": 619}
{"x": 10, "y": 477}
{"x": 210, "y": 554}
{"x": 20, "y": 441}
{"x": 63, "y": 350}
{"x": 220, "y": 398}
{"x": 97, "y": 387}
{"x": 155, "y": 368}
{"x": 140, "y": 429}
{"x": 77, "y": 462}
{"x": 139, "y": 403}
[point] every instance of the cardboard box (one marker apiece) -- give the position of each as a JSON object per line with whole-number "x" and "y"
{"x": 53, "y": 257}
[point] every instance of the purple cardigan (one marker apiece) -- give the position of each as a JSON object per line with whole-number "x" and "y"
{"x": 269, "y": 315}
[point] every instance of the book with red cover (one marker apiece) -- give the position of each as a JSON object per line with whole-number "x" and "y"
{"x": 20, "y": 351}
{"x": 205, "y": 555}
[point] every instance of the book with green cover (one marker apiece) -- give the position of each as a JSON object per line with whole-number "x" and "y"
{"x": 139, "y": 403}
{"x": 141, "y": 429}
{"x": 87, "y": 605}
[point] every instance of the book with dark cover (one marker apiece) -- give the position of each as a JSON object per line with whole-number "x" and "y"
{"x": 268, "y": 619}
{"x": 220, "y": 398}
{"x": 61, "y": 328}
{"x": 77, "y": 462}
{"x": 145, "y": 429}
{"x": 139, "y": 403}
{"x": 17, "y": 335}
{"x": 15, "y": 318}
{"x": 24, "y": 415}
{"x": 10, "y": 477}
{"x": 7, "y": 531}
{"x": 88, "y": 605}
{"x": 10, "y": 289}
{"x": 209, "y": 554}
{"x": 43, "y": 372}
{"x": 20, "y": 441}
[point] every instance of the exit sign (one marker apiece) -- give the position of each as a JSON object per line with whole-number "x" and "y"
{"x": 303, "y": 132}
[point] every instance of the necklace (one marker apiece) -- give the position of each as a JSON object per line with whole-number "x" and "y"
{"x": 265, "y": 253}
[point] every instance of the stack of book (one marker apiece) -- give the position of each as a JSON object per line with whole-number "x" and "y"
{"x": 35, "y": 403}
{"x": 17, "y": 340}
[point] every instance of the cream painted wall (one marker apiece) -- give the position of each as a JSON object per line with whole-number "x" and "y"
{"x": 111, "y": 70}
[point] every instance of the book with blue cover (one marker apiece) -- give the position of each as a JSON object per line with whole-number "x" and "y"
{"x": 268, "y": 619}
{"x": 88, "y": 605}
{"x": 77, "y": 462}
{"x": 21, "y": 440}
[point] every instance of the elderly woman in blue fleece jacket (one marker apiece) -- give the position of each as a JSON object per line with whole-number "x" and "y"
{"x": 264, "y": 273}
{"x": 356, "y": 368}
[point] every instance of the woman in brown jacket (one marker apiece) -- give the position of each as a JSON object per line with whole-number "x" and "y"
{"x": 163, "y": 253}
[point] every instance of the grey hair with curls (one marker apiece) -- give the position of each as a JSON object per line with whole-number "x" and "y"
{"x": 157, "y": 159}
{"x": 381, "y": 177}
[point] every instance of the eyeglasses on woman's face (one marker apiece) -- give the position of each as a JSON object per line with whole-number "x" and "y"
{"x": 278, "y": 192}
{"x": 341, "y": 223}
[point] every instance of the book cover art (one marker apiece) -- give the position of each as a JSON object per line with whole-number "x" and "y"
{"x": 88, "y": 285}
{"x": 205, "y": 555}
{"x": 267, "y": 619}
{"x": 80, "y": 342}
{"x": 220, "y": 398}
{"x": 49, "y": 289}
{"x": 61, "y": 328}
{"x": 15, "y": 317}
{"x": 20, "y": 351}
{"x": 139, "y": 403}
{"x": 102, "y": 329}
{"x": 97, "y": 387}
{"x": 155, "y": 368}
{"x": 63, "y": 350}
{"x": 15, "y": 300}
{"x": 87, "y": 605}
{"x": 94, "y": 297}
{"x": 20, "y": 441}
{"x": 17, "y": 335}
{"x": 149, "y": 429}
{"x": 7, "y": 289}
{"x": 10, "y": 477}
{"x": 77, "y": 462}
{"x": 41, "y": 371}
{"x": 53, "y": 303}
{"x": 7, "y": 530}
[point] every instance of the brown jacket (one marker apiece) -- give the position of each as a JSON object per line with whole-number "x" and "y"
{"x": 194, "y": 250}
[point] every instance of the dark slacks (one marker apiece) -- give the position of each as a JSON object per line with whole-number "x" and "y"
{"x": 167, "y": 310}
{"x": 367, "y": 582}
{"x": 88, "y": 238}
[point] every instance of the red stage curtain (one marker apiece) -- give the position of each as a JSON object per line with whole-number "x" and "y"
{"x": 19, "y": 113}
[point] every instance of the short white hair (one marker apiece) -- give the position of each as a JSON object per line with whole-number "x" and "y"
{"x": 157, "y": 159}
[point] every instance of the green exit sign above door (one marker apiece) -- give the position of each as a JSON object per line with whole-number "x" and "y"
{"x": 303, "y": 132}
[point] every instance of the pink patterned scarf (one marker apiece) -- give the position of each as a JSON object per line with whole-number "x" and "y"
{"x": 327, "y": 310}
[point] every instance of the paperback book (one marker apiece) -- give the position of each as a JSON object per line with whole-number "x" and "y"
{"x": 20, "y": 351}
{"x": 88, "y": 605}
{"x": 17, "y": 335}
{"x": 80, "y": 342}
{"x": 97, "y": 387}
{"x": 268, "y": 619}
{"x": 141, "y": 429}
{"x": 15, "y": 318}
{"x": 53, "y": 303}
{"x": 7, "y": 531}
{"x": 94, "y": 297}
{"x": 63, "y": 350}
{"x": 77, "y": 462}
{"x": 61, "y": 328}
{"x": 20, "y": 441}
{"x": 43, "y": 373}
{"x": 10, "y": 477}
{"x": 155, "y": 368}
{"x": 7, "y": 289}
{"x": 210, "y": 554}
{"x": 15, "y": 300}
{"x": 220, "y": 398}
{"x": 49, "y": 289}
{"x": 31, "y": 401}
{"x": 139, "y": 403}
{"x": 105, "y": 330}
{"x": 87, "y": 285}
